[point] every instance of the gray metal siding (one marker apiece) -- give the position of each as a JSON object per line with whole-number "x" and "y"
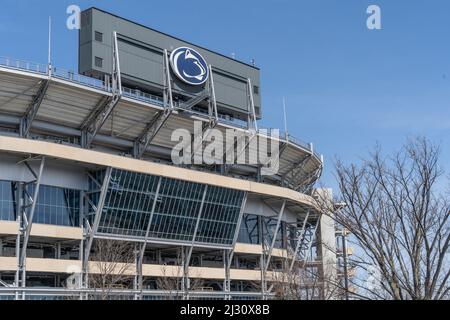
{"x": 141, "y": 59}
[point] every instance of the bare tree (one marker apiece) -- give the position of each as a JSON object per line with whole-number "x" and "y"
{"x": 307, "y": 282}
{"x": 399, "y": 219}
{"x": 111, "y": 268}
{"x": 171, "y": 281}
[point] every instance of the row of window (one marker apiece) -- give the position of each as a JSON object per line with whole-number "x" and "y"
{"x": 98, "y": 36}
{"x": 54, "y": 206}
{"x": 178, "y": 210}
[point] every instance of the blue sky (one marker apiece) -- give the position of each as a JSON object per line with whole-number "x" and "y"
{"x": 347, "y": 87}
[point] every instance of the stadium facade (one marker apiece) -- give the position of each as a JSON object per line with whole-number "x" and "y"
{"x": 86, "y": 158}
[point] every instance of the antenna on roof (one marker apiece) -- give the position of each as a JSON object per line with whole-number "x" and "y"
{"x": 286, "y": 132}
{"x": 49, "y": 44}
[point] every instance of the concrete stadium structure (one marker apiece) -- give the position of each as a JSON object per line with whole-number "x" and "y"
{"x": 86, "y": 159}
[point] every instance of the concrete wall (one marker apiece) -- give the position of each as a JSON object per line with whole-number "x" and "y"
{"x": 327, "y": 245}
{"x": 56, "y": 173}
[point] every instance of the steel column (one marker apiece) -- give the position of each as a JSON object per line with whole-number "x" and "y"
{"x": 98, "y": 213}
{"x": 274, "y": 238}
{"x": 144, "y": 245}
{"x": 33, "y": 108}
{"x": 252, "y": 123}
{"x": 188, "y": 250}
{"x": 267, "y": 253}
{"x": 212, "y": 111}
{"x": 299, "y": 241}
{"x": 27, "y": 221}
{"x": 19, "y": 197}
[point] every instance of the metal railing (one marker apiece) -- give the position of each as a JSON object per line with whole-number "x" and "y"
{"x": 79, "y": 79}
{"x": 22, "y": 65}
{"x": 115, "y": 294}
{"x": 290, "y": 138}
{"x": 142, "y": 96}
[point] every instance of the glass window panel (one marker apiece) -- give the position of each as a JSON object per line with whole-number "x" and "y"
{"x": 7, "y": 201}
{"x": 129, "y": 201}
{"x": 56, "y": 206}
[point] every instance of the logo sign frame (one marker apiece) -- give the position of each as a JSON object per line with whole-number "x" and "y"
{"x": 189, "y": 66}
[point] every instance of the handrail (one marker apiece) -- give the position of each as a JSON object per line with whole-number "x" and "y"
{"x": 79, "y": 79}
{"x": 23, "y": 65}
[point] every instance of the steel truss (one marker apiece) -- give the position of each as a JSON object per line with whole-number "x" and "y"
{"x": 307, "y": 184}
{"x": 295, "y": 173}
{"x": 151, "y": 130}
{"x": 298, "y": 166}
{"x": 32, "y": 110}
{"x": 92, "y": 230}
{"x": 27, "y": 207}
{"x": 308, "y": 239}
{"x": 267, "y": 249}
{"x": 95, "y": 121}
{"x": 299, "y": 244}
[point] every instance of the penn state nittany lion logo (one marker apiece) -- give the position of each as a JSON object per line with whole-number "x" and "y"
{"x": 189, "y": 66}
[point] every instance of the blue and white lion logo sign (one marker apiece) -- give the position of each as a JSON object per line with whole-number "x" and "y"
{"x": 189, "y": 66}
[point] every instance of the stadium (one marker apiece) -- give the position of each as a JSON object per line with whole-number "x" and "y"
{"x": 86, "y": 172}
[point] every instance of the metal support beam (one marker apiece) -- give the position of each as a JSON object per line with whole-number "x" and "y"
{"x": 17, "y": 95}
{"x": 296, "y": 166}
{"x": 4, "y": 284}
{"x": 310, "y": 243}
{"x": 295, "y": 170}
{"x": 309, "y": 181}
{"x": 229, "y": 254}
{"x": 154, "y": 126}
{"x": 151, "y": 130}
{"x": 19, "y": 197}
{"x": 274, "y": 238}
{"x": 33, "y": 108}
{"x": 187, "y": 254}
{"x": 241, "y": 215}
{"x": 299, "y": 242}
{"x": 144, "y": 245}
{"x": 98, "y": 213}
{"x": 95, "y": 121}
{"x": 27, "y": 219}
{"x": 188, "y": 105}
{"x": 252, "y": 122}
{"x": 267, "y": 252}
{"x": 213, "y": 116}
